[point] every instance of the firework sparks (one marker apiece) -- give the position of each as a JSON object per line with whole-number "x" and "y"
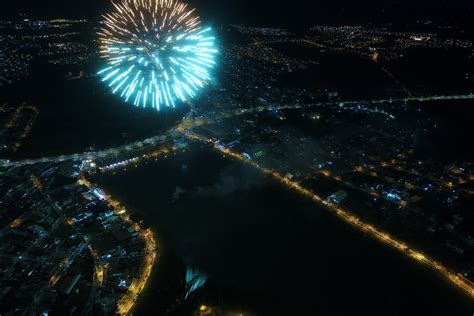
{"x": 157, "y": 52}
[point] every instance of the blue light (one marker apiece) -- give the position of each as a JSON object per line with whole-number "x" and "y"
{"x": 157, "y": 65}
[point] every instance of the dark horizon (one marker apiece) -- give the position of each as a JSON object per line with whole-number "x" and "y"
{"x": 297, "y": 14}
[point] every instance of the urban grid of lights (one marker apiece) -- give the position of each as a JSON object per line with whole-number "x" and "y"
{"x": 157, "y": 52}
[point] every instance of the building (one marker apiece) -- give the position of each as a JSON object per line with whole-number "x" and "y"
{"x": 339, "y": 197}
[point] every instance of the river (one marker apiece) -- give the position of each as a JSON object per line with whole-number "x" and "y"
{"x": 267, "y": 251}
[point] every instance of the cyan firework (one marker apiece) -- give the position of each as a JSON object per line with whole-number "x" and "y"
{"x": 157, "y": 52}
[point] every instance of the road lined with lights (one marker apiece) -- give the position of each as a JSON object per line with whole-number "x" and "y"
{"x": 128, "y": 301}
{"x": 95, "y": 155}
{"x": 149, "y": 145}
{"x": 189, "y": 123}
{"x": 457, "y": 279}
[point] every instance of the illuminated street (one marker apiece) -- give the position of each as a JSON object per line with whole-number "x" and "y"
{"x": 231, "y": 158}
{"x": 457, "y": 279}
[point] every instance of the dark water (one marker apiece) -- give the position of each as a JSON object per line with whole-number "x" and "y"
{"x": 352, "y": 77}
{"x": 78, "y": 115}
{"x": 453, "y": 134}
{"x": 444, "y": 132}
{"x": 428, "y": 71}
{"x": 266, "y": 249}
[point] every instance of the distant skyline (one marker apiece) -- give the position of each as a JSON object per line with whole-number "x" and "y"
{"x": 294, "y": 13}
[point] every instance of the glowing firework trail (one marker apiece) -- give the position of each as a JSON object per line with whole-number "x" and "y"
{"x": 157, "y": 52}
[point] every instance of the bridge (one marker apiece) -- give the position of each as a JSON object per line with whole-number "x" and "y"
{"x": 189, "y": 123}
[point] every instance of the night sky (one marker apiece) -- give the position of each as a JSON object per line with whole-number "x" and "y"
{"x": 258, "y": 12}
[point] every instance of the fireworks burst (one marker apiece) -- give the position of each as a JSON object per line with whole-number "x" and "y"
{"x": 157, "y": 52}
